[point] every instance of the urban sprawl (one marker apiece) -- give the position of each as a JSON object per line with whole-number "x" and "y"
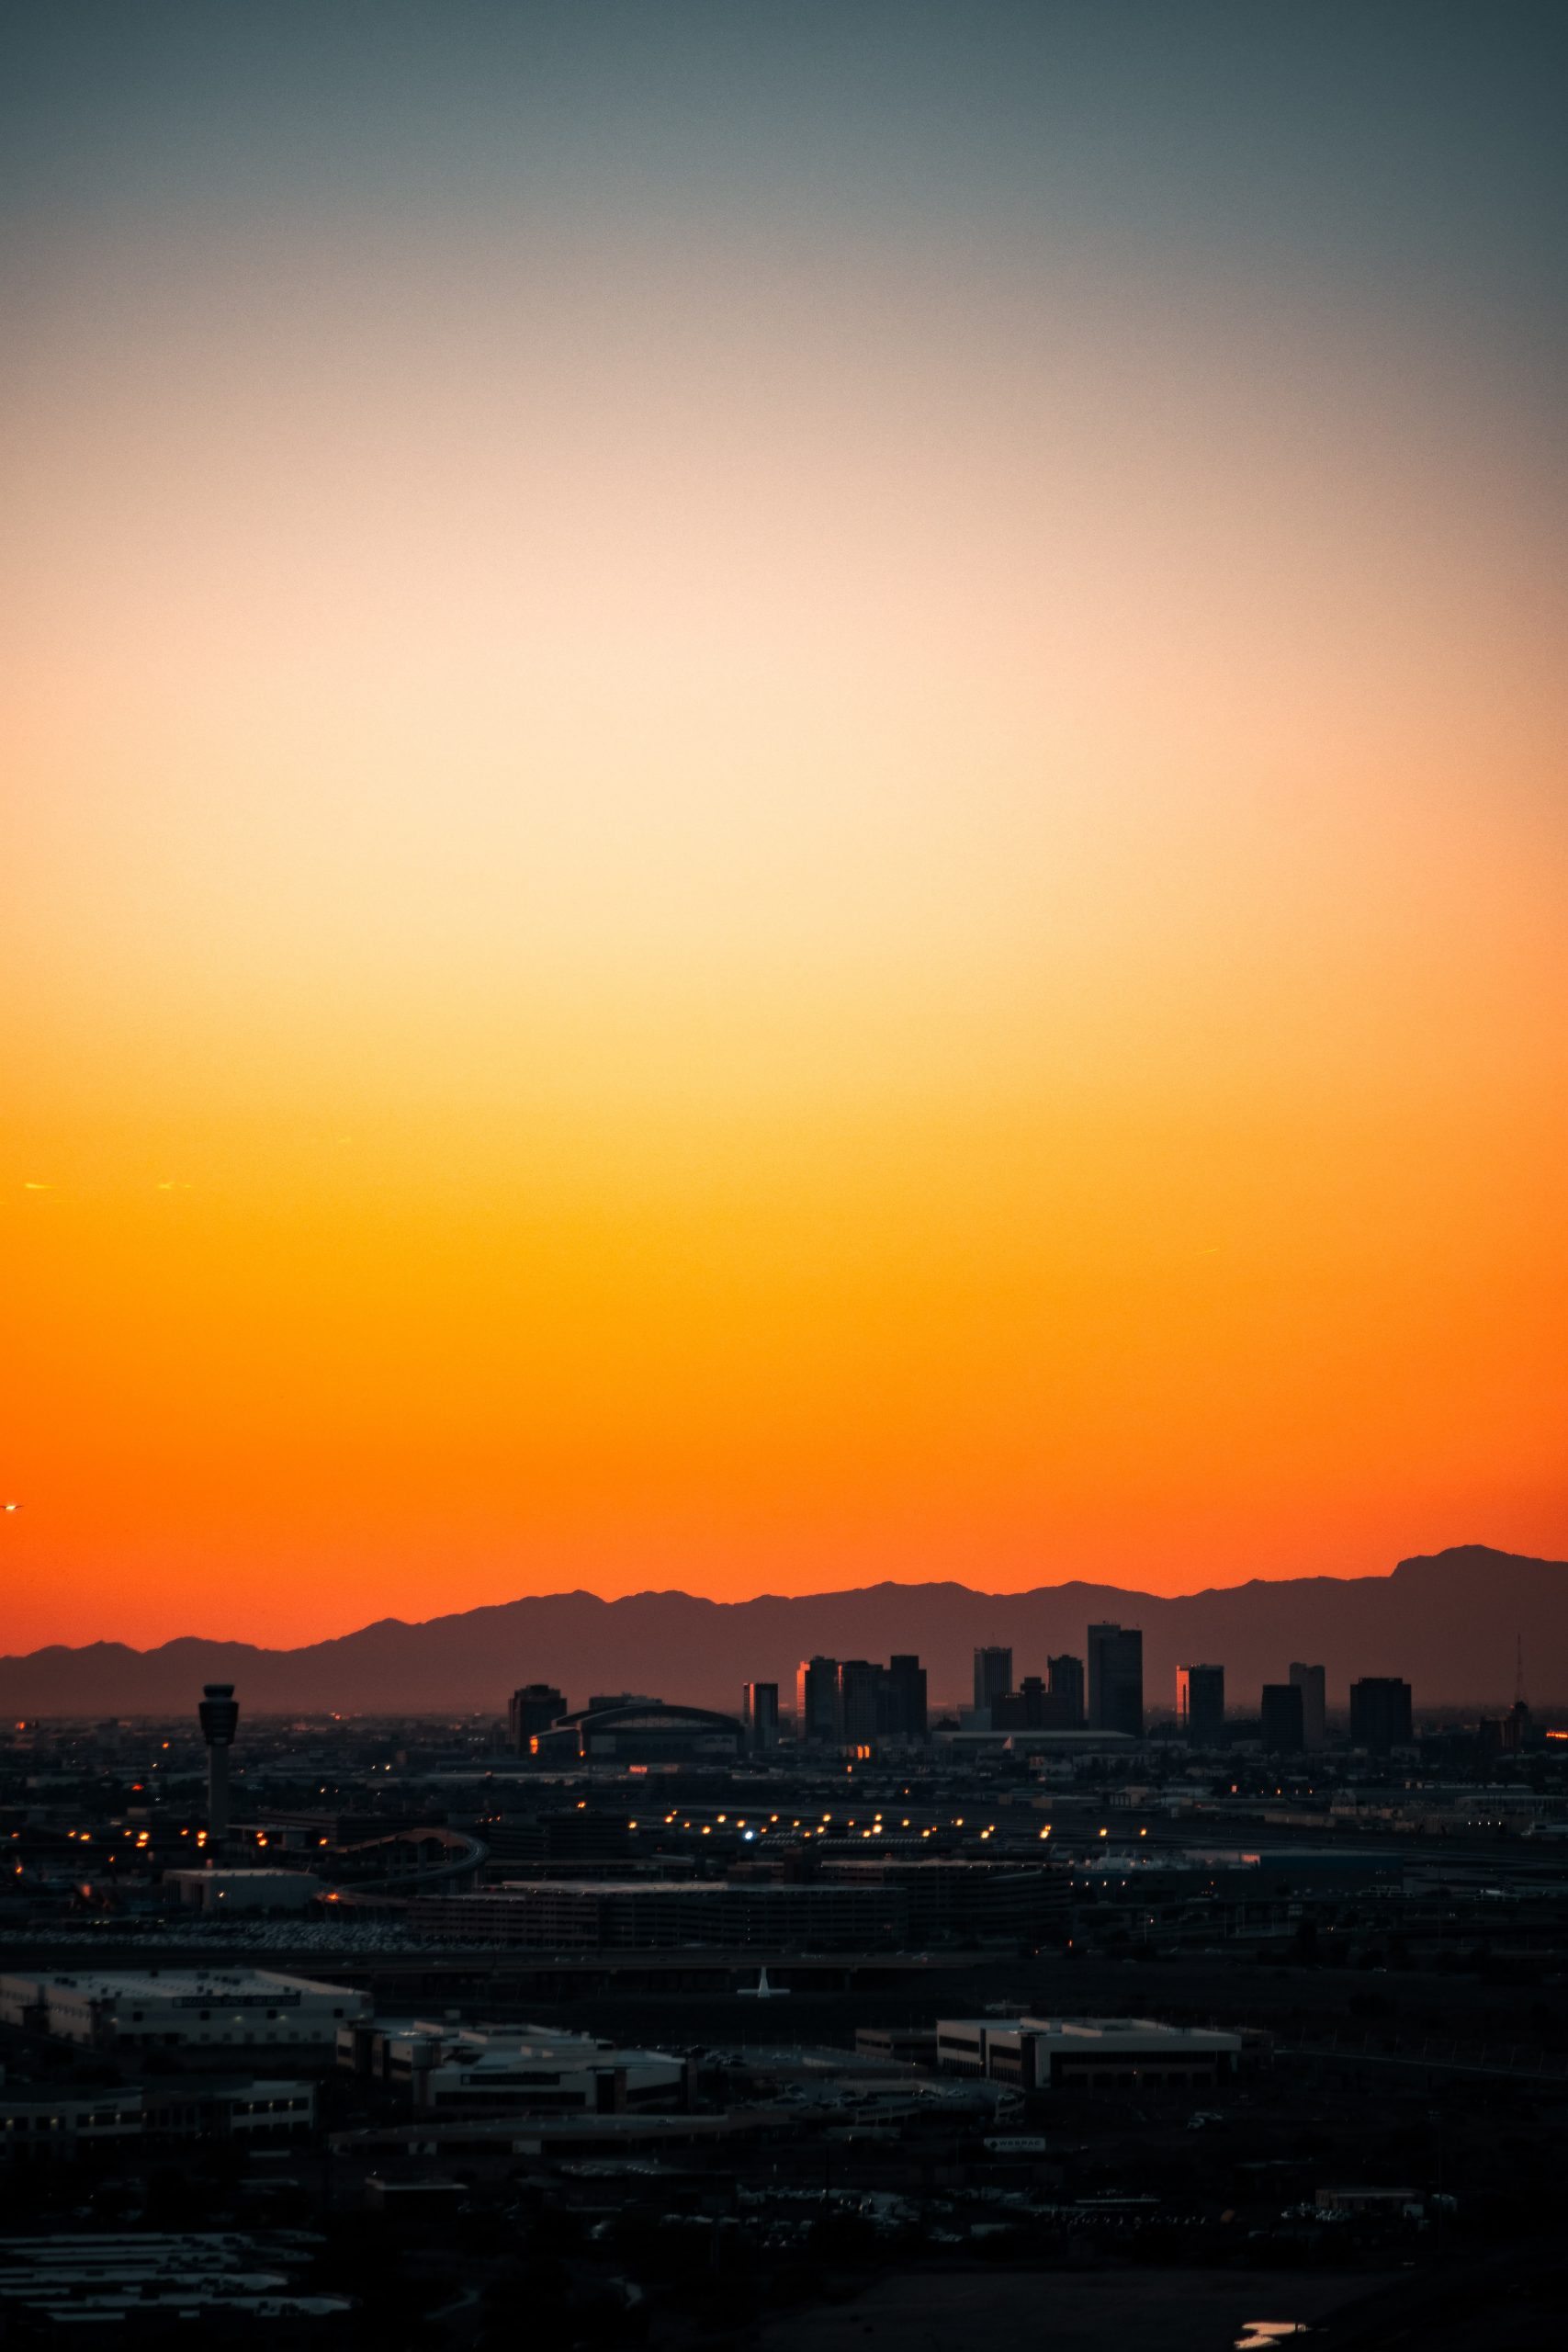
{"x": 646, "y": 2022}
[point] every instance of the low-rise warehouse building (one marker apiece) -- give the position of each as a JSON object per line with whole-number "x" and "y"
{"x": 180, "y": 2009}
{"x": 137, "y": 2285}
{"x": 37, "y": 2123}
{"x": 454, "y": 2070}
{"x": 972, "y": 1902}
{"x": 1087, "y": 2053}
{"x": 227, "y": 1890}
{"x": 565, "y": 1915}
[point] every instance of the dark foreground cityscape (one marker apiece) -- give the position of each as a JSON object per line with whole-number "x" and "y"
{"x": 1052, "y": 2017}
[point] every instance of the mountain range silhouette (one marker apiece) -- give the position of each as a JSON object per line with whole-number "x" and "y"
{"x": 1449, "y": 1623}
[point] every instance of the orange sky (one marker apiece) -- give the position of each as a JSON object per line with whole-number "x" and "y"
{"x": 765, "y": 901}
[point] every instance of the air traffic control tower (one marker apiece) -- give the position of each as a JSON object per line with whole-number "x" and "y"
{"x": 220, "y": 1715}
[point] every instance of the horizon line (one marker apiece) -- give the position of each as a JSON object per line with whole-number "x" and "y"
{"x": 838, "y": 1592}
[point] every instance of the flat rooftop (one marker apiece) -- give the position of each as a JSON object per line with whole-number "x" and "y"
{"x": 169, "y": 1984}
{"x": 682, "y": 1886}
{"x": 244, "y": 1877}
{"x": 1100, "y": 2029}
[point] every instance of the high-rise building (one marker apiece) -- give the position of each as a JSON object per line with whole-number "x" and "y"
{"x": 860, "y": 1685}
{"x": 1026, "y": 1709}
{"x": 1200, "y": 1704}
{"x": 759, "y": 1713}
{"x": 1116, "y": 1678}
{"x": 904, "y": 1698}
{"x": 1284, "y": 1713}
{"x": 534, "y": 1709}
{"x": 1064, "y": 1681}
{"x": 219, "y": 1715}
{"x": 1504, "y": 1735}
{"x": 1031, "y": 1707}
{"x": 817, "y": 1702}
{"x": 993, "y": 1677}
{"x": 1312, "y": 1683}
{"x": 1379, "y": 1713}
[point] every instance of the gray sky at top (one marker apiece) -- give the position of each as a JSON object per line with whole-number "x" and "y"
{"x": 1410, "y": 151}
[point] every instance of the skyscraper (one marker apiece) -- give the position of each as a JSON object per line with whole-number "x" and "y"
{"x": 817, "y": 1702}
{"x": 993, "y": 1677}
{"x": 534, "y": 1709}
{"x": 1025, "y": 1709}
{"x": 1064, "y": 1681}
{"x": 1200, "y": 1704}
{"x": 1312, "y": 1681}
{"x": 860, "y": 1685}
{"x": 1379, "y": 1713}
{"x": 1283, "y": 1712}
{"x": 904, "y": 1698}
{"x": 759, "y": 1713}
{"x": 1116, "y": 1678}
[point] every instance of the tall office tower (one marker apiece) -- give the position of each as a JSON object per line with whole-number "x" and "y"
{"x": 1505, "y": 1735}
{"x": 904, "y": 1698}
{"x": 816, "y": 1702}
{"x": 860, "y": 1690}
{"x": 1064, "y": 1679}
{"x": 1116, "y": 1678}
{"x": 219, "y": 1715}
{"x": 993, "y": 1677}
{"x": 759, "y": 1713}
{"x": 1312, "y": 1683}
{"x": 1379, "y": 1713}
{"x": 533, "y": 1710}
{"x": 1027, "y": 1709}
{"x": 1284, "y": 1714}
{"x": 1200, "y": 1704}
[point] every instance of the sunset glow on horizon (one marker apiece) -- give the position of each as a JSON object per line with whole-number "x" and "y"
{"x": 784, "y": 808}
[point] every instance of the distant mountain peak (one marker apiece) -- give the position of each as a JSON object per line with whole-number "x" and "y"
{"x": 1455, "y": 1645}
